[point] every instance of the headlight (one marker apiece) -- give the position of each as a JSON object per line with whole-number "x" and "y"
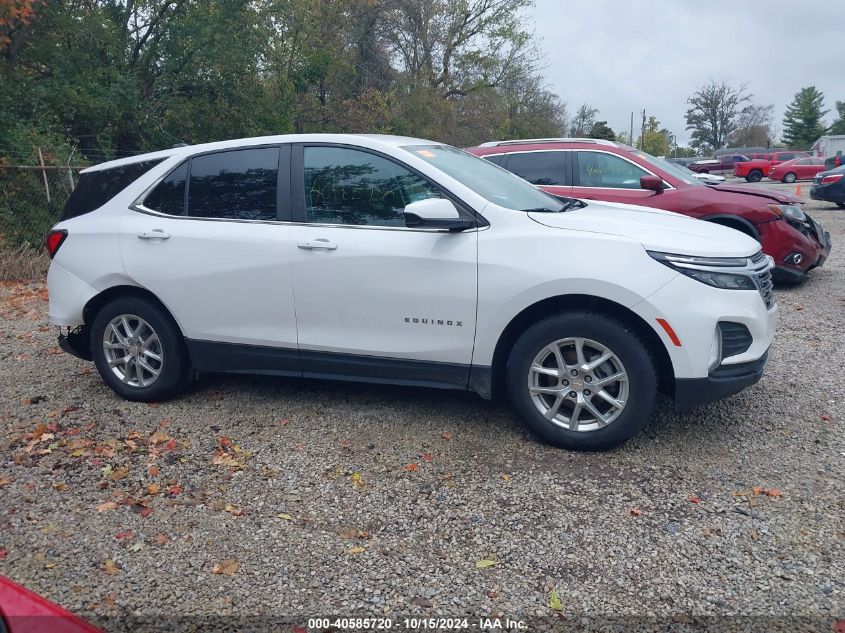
{"x": 789, "y": 211}
{"x": 706, "y": 270}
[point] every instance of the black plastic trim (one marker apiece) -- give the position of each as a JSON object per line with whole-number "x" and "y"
{"x": 722, "y": 382}
{"x": 213, "y": 356}
{"x": 283, "y": 199}
{"x": 77, "y": 343}
{"x": 752, "y": 230}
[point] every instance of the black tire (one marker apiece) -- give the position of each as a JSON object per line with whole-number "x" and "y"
{"x": 175, "y": 372}
{"x": 617, "y": 337}
{"x": 754, "y": 176}
{"x": 789, "y": 178}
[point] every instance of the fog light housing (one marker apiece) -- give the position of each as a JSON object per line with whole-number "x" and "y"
{"x": 715, "y": 349}
{"x": 794, "y": 258}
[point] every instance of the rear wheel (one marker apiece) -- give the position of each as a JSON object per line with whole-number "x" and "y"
{"x": 790, "y": 178}
{"x": 754, "y": 176}
{"x": 139, "y": 350}
{"x": 581, "y": 380}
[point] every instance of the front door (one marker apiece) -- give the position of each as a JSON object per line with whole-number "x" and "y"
{"x": 210, "y": 243}
{"x": 375, "y": 299}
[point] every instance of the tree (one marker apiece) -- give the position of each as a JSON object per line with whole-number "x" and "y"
{"x": 802, "y": 123}
{"x": 583, "y": 121}
{"x": 601, "y": 129}
{"x": 656, "y": 140}
{"x": 838, "y": 126}
{"x": 712, "y": 113}
{"x": 753, "y": 127}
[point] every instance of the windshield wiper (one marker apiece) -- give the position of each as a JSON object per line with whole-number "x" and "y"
{"x": 568, "y": 203}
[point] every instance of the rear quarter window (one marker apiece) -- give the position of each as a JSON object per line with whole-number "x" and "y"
{"x": 96, "y": 188}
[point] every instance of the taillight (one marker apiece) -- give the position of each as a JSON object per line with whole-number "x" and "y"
{"x": 54, "y": 240}
{"x": 827, "y": 180}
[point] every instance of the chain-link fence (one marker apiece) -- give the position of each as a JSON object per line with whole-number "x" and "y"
{"x": 31, "y": 201}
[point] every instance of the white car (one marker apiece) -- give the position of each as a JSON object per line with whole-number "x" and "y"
{"x": 403, "y": 261}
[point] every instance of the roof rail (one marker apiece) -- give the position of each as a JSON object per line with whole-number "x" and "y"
{"x": 537, "y": 141}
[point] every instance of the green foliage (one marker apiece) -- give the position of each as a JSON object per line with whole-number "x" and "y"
{"x": 802, "y": 122}
{"x": 838, "y": 126}
{"x": 712, "y": 113}
{"x": 583, "y": 121}
{"x": 601, "y": 129}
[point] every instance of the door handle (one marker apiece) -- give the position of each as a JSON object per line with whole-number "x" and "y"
{"x": 319, "y": 243}
{"x": 155, "y": 234}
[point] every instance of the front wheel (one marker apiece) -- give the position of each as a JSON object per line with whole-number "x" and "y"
{"x": 139, "y": 350}
{"x": 755, "y": 176}
{"x": 790, "y": 178}
{"x": 582, "y": 381}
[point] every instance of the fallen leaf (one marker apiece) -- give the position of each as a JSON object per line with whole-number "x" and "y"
{"x": 153, "y": 489}
{"x": 3, "y": 553}
{"x": 224, "y": 442}
{"x": 427, "y": 457}
{"x": 284, "y": 516}
{"x": 233, "y": 510}
{"x": 161, "y": 538}
{"x": 153, "y": 471}
{"x": 285, "y": 422}
{"x": 140, "y": 508}
{"x": 123, "y": 535}
{"x": 411, "y": 467}
{"x": 826, "y": 417}
{"x": 110, "y": 567}
{"x": 356, "y": 550}
{"x": 136, "y": 547}
{"x": 506, "y": 477}
{"x": 485, "y": 562}
{"x": 772, "y": 492}
{"x": 695, "y": 499}
{"x": 299, "y": 629}
{"x": 357, "y": 479}
{"x": 171, "y": 445}
{"x": 107, "y": 506}
{"x": 446, "y": 435}
{"x": 60, "y": 487}
{"x": 635, "y": 512}
{"x": 174, "y": 490}
{"x": 5, "y": 481}
{"x": 119, "y": 473}
{"x": 757, "y": 490}
{"x": 554, "y": 600}
{"x": 352, "y": 533}
{"x": 227, "y": 568}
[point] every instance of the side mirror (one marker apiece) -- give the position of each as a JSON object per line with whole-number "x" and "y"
{"x": 652, "y": 183}
{"x": 435, "y": 213}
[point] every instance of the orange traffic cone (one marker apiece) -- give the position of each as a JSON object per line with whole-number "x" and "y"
{"x": 798, "y": 191}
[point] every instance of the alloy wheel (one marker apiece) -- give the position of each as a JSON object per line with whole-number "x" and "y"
{"x": 578, "y": 384}
{"x": 133, "y": 350}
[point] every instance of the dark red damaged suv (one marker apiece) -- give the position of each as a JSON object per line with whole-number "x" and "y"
{"x": 593, "y": 169}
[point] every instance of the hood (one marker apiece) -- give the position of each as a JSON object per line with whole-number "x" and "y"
{"x": 656, "y": 230}
{"x": 760, "y": 192}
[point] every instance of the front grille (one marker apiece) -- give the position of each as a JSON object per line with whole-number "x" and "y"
{"x": 736, "y": 338}
{"x": 763, "y": 278}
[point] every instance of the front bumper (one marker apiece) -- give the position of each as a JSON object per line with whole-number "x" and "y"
{"x": 722, "y": 382}
{"x": 782, "y": 239}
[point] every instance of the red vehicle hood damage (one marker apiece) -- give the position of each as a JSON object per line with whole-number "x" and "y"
{"x": 777, "y": 196}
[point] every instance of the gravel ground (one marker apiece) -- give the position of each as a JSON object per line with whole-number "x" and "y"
{"x": 278, "y": 497}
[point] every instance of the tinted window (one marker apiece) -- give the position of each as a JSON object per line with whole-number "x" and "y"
{"x": 496, "y": 159}
{"x": 96, "y": 188}
{"x": 538, "y": 168}
{"x": 236, "y": 185}
{"x": 785, "y": 157}
{"x": 599, "y": 169}
{"x": 169, "y": 195}
{"x": 346, "y": 186}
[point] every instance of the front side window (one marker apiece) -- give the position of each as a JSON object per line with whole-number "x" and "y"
{"x": 538, "y": 168}
{"x": 234, "y": 185}
{"x": 348, "y": 186}
{"x": 600, "y": 169}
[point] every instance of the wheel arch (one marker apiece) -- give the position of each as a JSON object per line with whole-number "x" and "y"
{"x": 565, "y": 303}
{"x": 96, "y": 302}
{"x": 734, "y": 222}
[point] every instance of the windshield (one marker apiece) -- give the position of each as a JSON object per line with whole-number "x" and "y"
{"x": 681, "y": 173}
{"x": 491, "y": 182}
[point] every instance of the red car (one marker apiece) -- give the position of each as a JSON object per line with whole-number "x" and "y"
{"x": 594, "y": 169}
{"x": 796, "y": 169}
{"x": 22, "y": 611}
{"x": 753, "y": 170}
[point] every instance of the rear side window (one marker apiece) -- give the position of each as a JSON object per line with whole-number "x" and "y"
{"x": 232, "y": 185}
{"x": 96, "y": 188}
{"x": 538, "y": 168}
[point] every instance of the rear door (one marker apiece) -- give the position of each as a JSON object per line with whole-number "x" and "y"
{"x": 546, "y": 169}
{"x": 212, "y": 242}
{"x": 601, "y": 175}
{"x": 376, "y": 299}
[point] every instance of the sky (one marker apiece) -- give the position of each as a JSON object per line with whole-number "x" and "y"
{"x": 628, "y": 55}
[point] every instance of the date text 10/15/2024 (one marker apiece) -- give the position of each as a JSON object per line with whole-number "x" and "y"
{"x": 415, "y": 624}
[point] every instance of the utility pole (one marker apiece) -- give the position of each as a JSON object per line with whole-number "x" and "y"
{"x": 631, "y": 138}
{"x": 642, "y": 134}
{"x": 44, "y": 173}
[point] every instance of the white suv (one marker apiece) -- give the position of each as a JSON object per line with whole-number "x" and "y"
{"x": 403, "y": 261}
